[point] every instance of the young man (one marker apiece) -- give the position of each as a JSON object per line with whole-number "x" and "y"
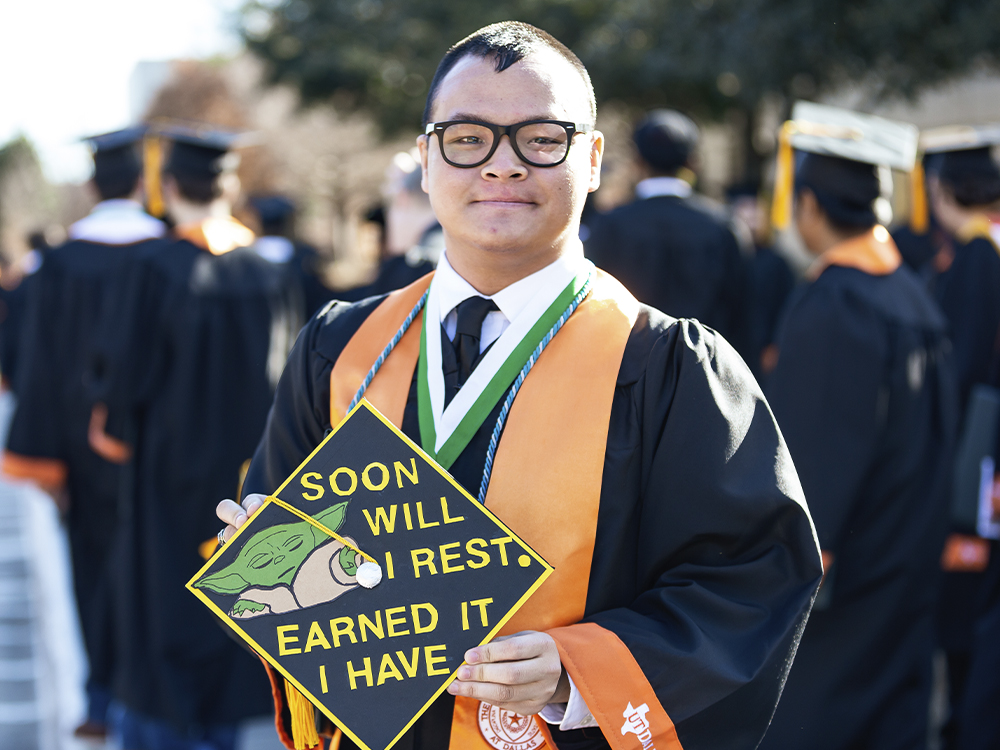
{"x": 863, "y": 394}
{"x": 676, "y": 250}
{"x": 639, "y": 457}
{"x": 196, "y": 342}
{"x": 48, "y": 440}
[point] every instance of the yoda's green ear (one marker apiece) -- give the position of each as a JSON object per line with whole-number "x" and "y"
{"x": 333, "y": 517}
{"x": 223, "y": 583}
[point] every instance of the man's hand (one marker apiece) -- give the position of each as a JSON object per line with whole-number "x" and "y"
{"x": 236, "y": 515}
{"x": 520, "y": 673}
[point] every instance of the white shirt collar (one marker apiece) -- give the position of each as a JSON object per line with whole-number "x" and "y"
{"x": 117, "y": 222}
{"x": 525, "y": 301}
{"x": 653, "y": 187}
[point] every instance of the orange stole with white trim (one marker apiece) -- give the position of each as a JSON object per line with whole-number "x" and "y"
{"x": 547, "y": 475}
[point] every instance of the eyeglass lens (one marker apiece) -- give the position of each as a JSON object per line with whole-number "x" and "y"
{"x": 539, "y": 143}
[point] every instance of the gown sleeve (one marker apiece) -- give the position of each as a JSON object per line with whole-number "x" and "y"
{"x": 35, "y": 449}
{"x": 724, "y": 564}
{"x": 828, "y": 395}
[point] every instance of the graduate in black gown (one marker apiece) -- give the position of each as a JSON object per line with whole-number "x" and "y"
{"x": 863, "y": 392}
{"x": 672, "y": 248}
{"x": 15, "y": 288}
{"x": 278, "y": 244}
{"x": 703, "y": 562}
{"x": 195, "y": 346}
{"x": 48, "y": 440}
{"x": 965, "y": 196}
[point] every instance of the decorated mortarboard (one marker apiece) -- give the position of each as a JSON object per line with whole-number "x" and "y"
{"x": 365, "y": 578}
{"x": 841, "y": 134}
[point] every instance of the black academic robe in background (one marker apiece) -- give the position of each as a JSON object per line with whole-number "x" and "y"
{"x": 704, "y": 563}
{"x": 771, "y": 283}
{"x": 69, "y": 294}
{"x": 205, "y": 337}
{"x": 679, "y": 255}
{"x": 864, "y": 394}
{"x": 13, "y": 312}
{"x": 308, "y": 265}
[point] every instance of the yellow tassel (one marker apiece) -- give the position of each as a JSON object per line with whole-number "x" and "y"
{"x": 152, "y": 163}
{"x": 303, "y": 720}
{"x": 784, "y": 176}
{"x": 919, "y": 219}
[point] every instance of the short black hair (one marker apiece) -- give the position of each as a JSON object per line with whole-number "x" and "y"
{"x": 507, "y": 42}
{"x": 845, "y": 189}
{"x": 972, "y": 176}
{"x": 117, "y": 172}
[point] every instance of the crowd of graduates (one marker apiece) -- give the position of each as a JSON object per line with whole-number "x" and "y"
{"x": 144, "y": 353}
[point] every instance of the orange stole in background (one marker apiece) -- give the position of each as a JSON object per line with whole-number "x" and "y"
{"x": 552, "y": 447}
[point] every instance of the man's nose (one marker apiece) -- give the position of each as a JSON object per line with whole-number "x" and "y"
{"x": 505, "y": 164}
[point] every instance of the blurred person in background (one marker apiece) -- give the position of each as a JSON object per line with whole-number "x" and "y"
{"x": 922, "y": 241}
{"x": 412, "y": 236}
{"x": 965, "y": 196}
{"x": 864, "y": 393}
{"x": 278, "y": 244}
{"x": 48, "y": 440}
{"x": 15, "y": 282}
{"x": 196, "y": 341}
{"x": 672, "y": 248}
{"x": 771, "y": 279}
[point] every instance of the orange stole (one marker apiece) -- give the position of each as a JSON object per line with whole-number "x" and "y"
{"x": 553, "y": 447}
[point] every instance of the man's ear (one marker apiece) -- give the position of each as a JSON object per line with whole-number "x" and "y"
{"x": 422, "y": 144}
{"x": 596, "y": 159}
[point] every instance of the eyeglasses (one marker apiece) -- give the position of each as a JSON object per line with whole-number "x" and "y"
{"x": 540, "y": 143}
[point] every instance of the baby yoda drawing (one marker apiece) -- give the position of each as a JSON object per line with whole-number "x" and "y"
{"x": 287, "y": 567}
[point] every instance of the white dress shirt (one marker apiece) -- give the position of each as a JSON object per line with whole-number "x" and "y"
{"x": 117, "y": 222}
{"x": 654, "y": 187}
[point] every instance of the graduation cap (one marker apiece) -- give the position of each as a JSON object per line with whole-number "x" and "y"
{"x": 365, "y": 578}
{"x": 201, "y": 152}
{"x": 273, "y": 210}
{"x": 843, "y": 151}
{"x": 963, "y": 156}
{"x": 116, "y": 162}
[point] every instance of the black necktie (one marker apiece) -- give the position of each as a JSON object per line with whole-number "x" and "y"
{"x": 461, "y": 355}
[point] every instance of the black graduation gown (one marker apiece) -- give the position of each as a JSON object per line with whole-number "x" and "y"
{"x": 206, "y": 339}
{"x": 679, "y": 255}
{"x": 68, "y": 296}
{"x": 863, "y": 392}
{"x": 771, "y": 283}
{"x": 13, "y": 311}
{"x": 705, "y": 561}
{"x": 307, "y": 264}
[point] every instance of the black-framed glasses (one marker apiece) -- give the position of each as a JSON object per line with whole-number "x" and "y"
{"x": 540, "y": 143}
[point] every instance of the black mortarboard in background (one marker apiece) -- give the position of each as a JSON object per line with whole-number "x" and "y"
{"x": 117, "y": 163}
{"x": 666, "y": 139}
{"x": 965, "y": 161}
{"x": 201, "y": 153}
{"x": 841, "y": 152}
{"x": 275, "y": 212}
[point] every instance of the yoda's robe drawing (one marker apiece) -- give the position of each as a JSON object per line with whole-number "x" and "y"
{"x": 287, "y": 567}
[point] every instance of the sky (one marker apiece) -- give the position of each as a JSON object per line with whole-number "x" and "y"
{"x": 65, "y": 66}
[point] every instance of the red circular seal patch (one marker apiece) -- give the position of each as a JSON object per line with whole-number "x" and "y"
{"x": 505, "y": 730}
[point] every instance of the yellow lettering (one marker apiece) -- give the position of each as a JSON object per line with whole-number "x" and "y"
{"x": 406, "y": 514}
{"x": 420, "y": 517}
{"x": 342, "y": 626}
{"x": 307, "y": 482}
{"x": 444, "y": 512}
{"x": 353, "y": 674}
{"x": 401, "y": 472}
{"x": 415, "y": 614}
{"x": 428, "y": 560}
{"x": 481, "y": 603}
{"x": 430, "y": 660}
{"x": 445, "y": 557}
{"x": 336, "y": 487}
{"x": 410, "y": 667}
{"x": 391, "y": 622}
{"x": 367, "y": 480}
{"x": 285, "y": 638}
{"x": 502, "y": 544}
{"x": 381, "y": 519}
{"x": 389, "y": 573}
{"x": 484, "y": 558}
{"x": 364, "y": 624}
{"x": 316, "y": 638}
{"x": 388, "y": 669}
{"x": 322, "y": 679}
{"x": 465, "y": 615}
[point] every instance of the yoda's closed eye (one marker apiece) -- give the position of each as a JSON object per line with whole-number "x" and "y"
{"x": 288, "y": 567}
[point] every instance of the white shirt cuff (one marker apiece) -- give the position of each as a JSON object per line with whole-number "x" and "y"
{"x": 573, "y": 714}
